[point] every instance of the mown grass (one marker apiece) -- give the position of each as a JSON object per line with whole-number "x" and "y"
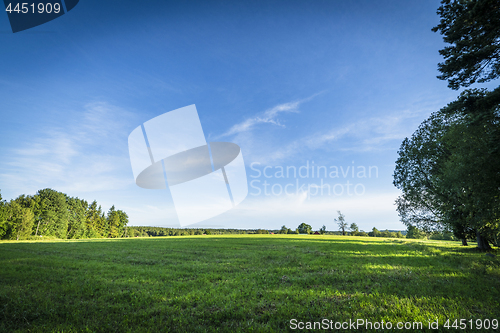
{"x": 240, "y": 283}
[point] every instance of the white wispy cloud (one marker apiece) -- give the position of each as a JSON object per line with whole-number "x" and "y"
{"x": 84, "y": 155}
{"x": 269, "y": 116}
{"x": 365, "y": 135}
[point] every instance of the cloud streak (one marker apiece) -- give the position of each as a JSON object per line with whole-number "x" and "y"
{"x": 366, "y": 135}
{"x": 84, "y": 156}
{"x": 269, "y": 116}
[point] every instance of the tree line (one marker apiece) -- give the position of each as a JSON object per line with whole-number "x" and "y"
{"x": 53, "y": 214}
{"x": 145, "y": 231}
{"x": 449, "y": 169}
{"x": 352, "y": 230}
{"x": 303, "y": 228}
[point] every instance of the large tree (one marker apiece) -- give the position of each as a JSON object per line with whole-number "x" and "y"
{"x": 117, "y": 220}
{"x": 473, "y": 168}
{"x": 419, "y": 164}
{"x": 77, "y": 213}
{"x": 449, "y": 170}
{"x": 472, "y": 27}
{"x": 21, "y": 220}
{"x": 93, "y": 223}
{"x": 51, "y": 211}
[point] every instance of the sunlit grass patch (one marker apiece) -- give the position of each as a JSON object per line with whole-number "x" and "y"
{"x": 239, "y": 282}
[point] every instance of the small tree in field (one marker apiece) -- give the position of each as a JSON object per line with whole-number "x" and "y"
{"x": 322, "y": 230}
{"x": 341, "y": 222}
{"x": 354, "y": 229}
{"x": 304, "y": 228}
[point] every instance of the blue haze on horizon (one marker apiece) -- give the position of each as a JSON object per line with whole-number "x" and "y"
{"x": 294, "y": 83}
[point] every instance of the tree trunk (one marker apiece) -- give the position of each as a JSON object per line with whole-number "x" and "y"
{"x": 464, "y": 242}
{"x": 37, "y": 227}
{"x": 482, "y": 243}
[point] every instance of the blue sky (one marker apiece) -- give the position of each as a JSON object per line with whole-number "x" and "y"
{"x": 334, "y": 83}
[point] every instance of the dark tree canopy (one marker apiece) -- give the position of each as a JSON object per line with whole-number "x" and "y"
{"x": 449, "y": 170}
{"x": 472, "y": 27}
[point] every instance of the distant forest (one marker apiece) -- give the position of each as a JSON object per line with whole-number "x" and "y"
{"x": 52, "y": 214}
{"x": 162, "y": 231}
{"x": 412, "y": 232}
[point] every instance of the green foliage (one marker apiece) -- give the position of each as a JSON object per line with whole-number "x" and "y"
{"x": 77, "y": 209}
{"x": 377, "y": 233}
{"x": 473, "y": 29}
{"x": 21, "y": 219}
{"x": 51, "y": 211}
{"x": 415, "y": 233}
{"x": 304, "y": 228}
{"x": 116, "y": 222}
{"x": 123, "y": 221}
{"x": 4, "y": 224}
{"x": 374, "y": 233}
{"x": 161, "y": 232}
{"x": 96, "y": 223}
{"x": 239, "y": 283}
{"x": 442, "y": 235}
{"x": 449, "y": 171}
{"x": 53, "y": 214}
{"x": 285, "y": 230}
{"x": 322, "y": 230}
{"x": 354, "y": 229}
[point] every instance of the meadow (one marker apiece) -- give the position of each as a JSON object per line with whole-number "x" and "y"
{"x": 243, "y": 283}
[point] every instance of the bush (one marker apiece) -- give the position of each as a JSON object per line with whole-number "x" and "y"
{"x": 415, "y": 233}
{"x": 304, "y": 228}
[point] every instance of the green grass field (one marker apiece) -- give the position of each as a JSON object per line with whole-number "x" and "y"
{"x": 241, "y": 283}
